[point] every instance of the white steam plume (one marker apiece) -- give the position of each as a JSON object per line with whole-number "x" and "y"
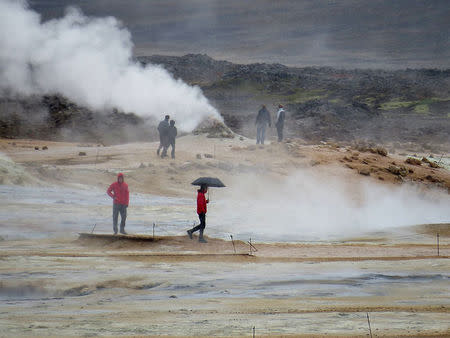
{"x": 89, "y": 60}
{"x": 310, "y": 205}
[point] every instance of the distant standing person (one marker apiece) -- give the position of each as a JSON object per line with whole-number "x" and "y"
{"x": 118, "y": 191}
{"x": 172, "y": 135}
{"x": 280, "y": 122}
{"x": 163, "y": 129}
{"x": 262, "y": 120}
{"x": 201, "y": 211}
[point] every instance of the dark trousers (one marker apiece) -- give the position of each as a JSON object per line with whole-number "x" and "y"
{"x": 201, "y": 226}
{"x": 280, "y": 132}
{"x": 161, "y": 143}
{"x": 122, "y": 209}
{"x": 260, "y": 133}
{"x": 172, "y": 144}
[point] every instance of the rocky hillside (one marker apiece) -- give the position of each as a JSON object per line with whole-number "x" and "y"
{"x": 404, "y": 106}
{"x": 53, "y": 117}
{"x": 325, "y": 103}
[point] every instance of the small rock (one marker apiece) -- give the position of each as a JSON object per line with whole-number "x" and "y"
{"x": 142, "y": 165}
{"x": 399, "y": 171}
{"x": 81, "y": 153}
{"x": 432, "y": 179}
{"x": 208, "y": 155}
{"x": 44, "y": 148}
{"x": 173, "y": 296}
{"x": 36, "y": 148}
{"x": 381, "y": 151}
{"x": 313, "y": 163}
{"x": 364, "y": 172}
{"x": 241, "y": 138}
{"x": 433, "y": 164}
{"x": 199, "y": 156}
{"x": 414, "y": 161}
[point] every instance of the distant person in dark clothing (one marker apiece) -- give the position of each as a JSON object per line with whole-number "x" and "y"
{"x": 201, "y": 211}
{"x": 118, "y": 191}
{"x": 280, "y": 122}
{"x": 262, "y": 120}
{"x": 172, "y": 134}
{"x": 163, "y": 129}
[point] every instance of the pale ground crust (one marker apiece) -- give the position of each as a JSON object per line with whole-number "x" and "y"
{"x": 63, "y": 164}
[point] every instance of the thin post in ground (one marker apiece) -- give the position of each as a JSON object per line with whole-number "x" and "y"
{"x": 437, "y": 238}
{"x": 232, "y": 241}
{"x": 368, "y": 321}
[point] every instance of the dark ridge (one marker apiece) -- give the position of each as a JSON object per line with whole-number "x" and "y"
{"x": 322, "y": 103}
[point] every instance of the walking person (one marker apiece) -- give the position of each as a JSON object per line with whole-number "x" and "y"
{"x": 172, "y": 135}
{"x": 118, "y": 191}
{"x": 201, "y": 211}
{"x": 280, "y": 122}
{"x": 262, "y": 120}
{"x": 163, "y": 128}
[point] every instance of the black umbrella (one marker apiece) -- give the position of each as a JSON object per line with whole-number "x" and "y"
{"x": 209, "y": 182}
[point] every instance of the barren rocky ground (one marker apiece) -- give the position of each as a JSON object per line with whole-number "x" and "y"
{"x": 299, "y": 282}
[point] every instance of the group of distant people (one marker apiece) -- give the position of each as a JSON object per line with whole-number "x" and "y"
{"x": 167, "y": 135}
{"x": 263, "y": 120}
{"x": 119, "y": 192}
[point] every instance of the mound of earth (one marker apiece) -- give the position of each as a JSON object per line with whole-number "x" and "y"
{"x": 214, "y": 129}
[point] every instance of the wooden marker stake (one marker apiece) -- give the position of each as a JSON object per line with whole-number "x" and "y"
{"x": 437, "y": 243}
{"x": 368, "y": 321}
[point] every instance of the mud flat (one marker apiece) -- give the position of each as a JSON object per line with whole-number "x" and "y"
{"x": 299, "y": 282}
{"x": 174, "y": 286}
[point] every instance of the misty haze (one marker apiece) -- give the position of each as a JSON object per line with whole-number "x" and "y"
{"x": 224, "y": 168}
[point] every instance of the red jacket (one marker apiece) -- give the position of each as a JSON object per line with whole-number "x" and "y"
{"x": 119, "y": 192}
{"x": 201, "y": 203}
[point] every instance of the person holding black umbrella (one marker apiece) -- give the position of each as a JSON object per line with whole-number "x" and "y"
{"x": 201, "y": 211}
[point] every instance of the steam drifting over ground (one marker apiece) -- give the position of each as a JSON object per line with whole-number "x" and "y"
{"x": 89, "y": 60}
{"x": 309, "y": 205}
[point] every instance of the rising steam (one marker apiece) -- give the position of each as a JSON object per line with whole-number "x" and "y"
{"x": 89, "y": 60}
{"x": 322, "y": 206}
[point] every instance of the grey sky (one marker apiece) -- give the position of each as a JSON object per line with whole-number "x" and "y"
{"x": 351, "y": 33}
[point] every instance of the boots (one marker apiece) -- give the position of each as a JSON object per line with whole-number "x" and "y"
{"x": 200, "y": 238}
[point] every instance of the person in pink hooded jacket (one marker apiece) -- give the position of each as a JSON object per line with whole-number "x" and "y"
{"x": 118, "y": 191}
